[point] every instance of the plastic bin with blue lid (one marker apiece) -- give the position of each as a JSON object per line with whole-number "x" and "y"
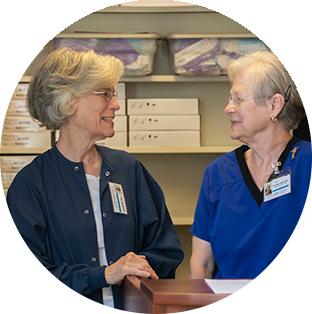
{"x": 209, "y": 54}
{"x": 135, "y": 50}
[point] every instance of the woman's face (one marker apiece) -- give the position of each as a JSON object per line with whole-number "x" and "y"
{"x": 249, "y": 121}
{"x": 94, "y": 116}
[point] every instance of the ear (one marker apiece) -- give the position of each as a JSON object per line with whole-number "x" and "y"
{"x": 277, "y": 104}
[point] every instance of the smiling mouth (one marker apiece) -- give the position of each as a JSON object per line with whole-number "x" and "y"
{"x": 106, "y": 119}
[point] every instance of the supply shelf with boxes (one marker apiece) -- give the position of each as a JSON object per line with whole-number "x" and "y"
{"x": 178, "y": 169}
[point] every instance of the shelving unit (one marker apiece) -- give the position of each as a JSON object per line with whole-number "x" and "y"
{"x": 178, "y": 171}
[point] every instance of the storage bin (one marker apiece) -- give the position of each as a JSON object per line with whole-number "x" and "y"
{"x": 159, "y": 3}
{"x": 80, "y": 2}
{"x": 209, "y": 54}
{"x": 239, "y": 2}
{"x": 135, "y": 50}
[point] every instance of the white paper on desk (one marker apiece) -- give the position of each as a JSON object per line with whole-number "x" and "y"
{"x": 255, "y": 286}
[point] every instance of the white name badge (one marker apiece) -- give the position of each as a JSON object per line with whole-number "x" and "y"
{"x": 118, "y": 198}
{"x": 277, "y": 187}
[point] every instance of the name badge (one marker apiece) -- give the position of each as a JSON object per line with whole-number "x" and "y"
{"x": 278, "y": 187}
{"x": 118, "y": 198}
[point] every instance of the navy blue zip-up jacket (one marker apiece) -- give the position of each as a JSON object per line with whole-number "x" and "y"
{"x": 50, "y": 203}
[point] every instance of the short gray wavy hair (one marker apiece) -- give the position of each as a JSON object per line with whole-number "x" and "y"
{"x": 65, "y": 75}
{"x": 269, "y": 78}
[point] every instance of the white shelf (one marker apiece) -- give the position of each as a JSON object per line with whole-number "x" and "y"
{"x": 177, "y": 150}
{"x": 133, "y": 150}
{"x": 120, "y": 9}
{"x": 180, "y": 221}
{"x": 161, "y": 78}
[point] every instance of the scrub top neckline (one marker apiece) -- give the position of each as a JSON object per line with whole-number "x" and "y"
{"x": 252, "y": 187}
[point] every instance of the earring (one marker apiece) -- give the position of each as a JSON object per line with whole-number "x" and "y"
{"x": 274, "y": 119}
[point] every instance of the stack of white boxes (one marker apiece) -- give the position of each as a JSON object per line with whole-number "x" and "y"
{"x": 20, "y": 133}
{"x": 164, "y": 122}
{"x": 120, "y": 139}
{"x": 19, "y": 130}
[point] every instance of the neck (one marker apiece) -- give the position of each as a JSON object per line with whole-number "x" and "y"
{"x": 263, "y": 154}
{"x": 80, "y": 149}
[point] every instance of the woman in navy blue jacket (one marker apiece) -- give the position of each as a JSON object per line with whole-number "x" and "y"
{"x": 91, "y": 215}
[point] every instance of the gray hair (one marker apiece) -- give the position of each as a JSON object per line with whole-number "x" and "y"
{"x": 269, "y": 78}
{"x": 65, "y": 75}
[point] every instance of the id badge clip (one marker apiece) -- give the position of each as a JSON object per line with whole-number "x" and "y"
{"x": 279, "y": 185}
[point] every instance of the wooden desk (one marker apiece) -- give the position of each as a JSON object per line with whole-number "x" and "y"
{"x": 167, "y": 295}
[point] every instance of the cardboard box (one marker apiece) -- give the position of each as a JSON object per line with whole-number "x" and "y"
{"x": 21, "y": 123}
{"x": 159, "y": 106}
{"x": 164, "y": 138}
{"x": 26, "y": 139}
{"x": 17, "y": 107}
{"x": 164, "y": 122}
{"x": 14, "y": 163}
{"x": 13, "y": 91}
{"x": 120, "y": 139}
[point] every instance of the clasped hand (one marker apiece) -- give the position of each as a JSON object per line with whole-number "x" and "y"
{"x": 130, "y": 264}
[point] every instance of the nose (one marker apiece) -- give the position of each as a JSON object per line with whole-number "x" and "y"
{"x": 113, "y": 104}
{"x": 229, "y": 108}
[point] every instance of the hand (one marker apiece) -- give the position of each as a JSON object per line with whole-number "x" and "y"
{"x": 130, "y": 264}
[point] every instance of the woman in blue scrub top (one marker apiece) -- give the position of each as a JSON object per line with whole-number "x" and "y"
{"x": 91, "y": 215}
{"x": 239, "y": 229}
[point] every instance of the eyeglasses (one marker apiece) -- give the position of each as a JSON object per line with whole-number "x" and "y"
{"x": 237, "y": 101}
{"x": 108, "y": 95}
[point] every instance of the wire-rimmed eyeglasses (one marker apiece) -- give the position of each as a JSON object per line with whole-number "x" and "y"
{"x": 237, "y": 101}
{"x": 107, "y": 94}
